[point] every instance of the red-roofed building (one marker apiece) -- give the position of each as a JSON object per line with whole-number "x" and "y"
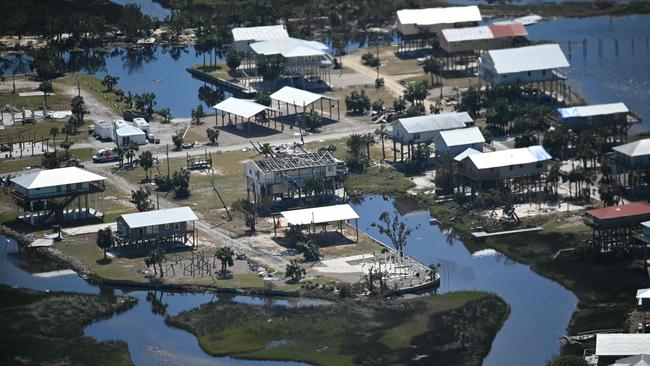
{"x": 508, "y": 30}
{"x": 482, "y": 38}
{"x": 614, "y": 226}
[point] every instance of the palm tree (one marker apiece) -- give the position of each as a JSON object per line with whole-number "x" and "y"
{"x": 46, "y": 88}
{"x": 54, "y": 132}
{"x": 369, "y": 139}
{"x": 77, "y": 106}
{"x": 109, "y": 82}
{"x": 197, "y": 114}
{"x": 226, "y": 255}
{"x": 266, "y": 149}
{"x": 157, "y": 257}
{"x": 432, "y": 67}
{"x": 146, "y": 162}
{"x": 105, "y": 239}
{"x": 166, "y": 114}
{"x": 294, "y": 271}
{"x": 433, "y": 271}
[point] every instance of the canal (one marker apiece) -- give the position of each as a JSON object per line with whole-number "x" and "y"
{"x": 541, "y": 308}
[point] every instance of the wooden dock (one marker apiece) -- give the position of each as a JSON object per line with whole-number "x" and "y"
{"x": 237, "y": 90}
{"x": 483, "y": 234}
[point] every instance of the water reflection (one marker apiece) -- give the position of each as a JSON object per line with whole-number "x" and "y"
{"x": 541, "y": 308}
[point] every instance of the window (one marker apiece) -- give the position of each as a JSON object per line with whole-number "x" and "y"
{"x": 58, "y": 188}
{"x": 543, "y": 72}
{"x": 521, "y": 165}
{"x": 539, "y": 165}
{"x": 177, "y": 226}
{"x": 530, "y": 74}
{"x": 416, "y": 136}
{"x": 78, "y": 186}
{"x": 510, "y": 167}
{"x": 166, "y": 226}
{"x": 149, "y": 230}
{"x": 155, "y": 229}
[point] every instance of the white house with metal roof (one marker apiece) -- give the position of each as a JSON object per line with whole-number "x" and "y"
{"x": 424, "y": 129}
{"x": 457, "y": 141}
{"x": 596, "y": 116}
{"x": 125, "y": 135}
{"x": 484, "y": 37}
{"x": 528, "y": 64}
{"x": 632, "y": 156}
{"x": 157, "y": 227}
{"x": 48, "y": 192}
{"x": 244, "y": 36}
{"x": 297, "y": 58}
{"x": 413, "y": 22}
{"x": 503, "y": 165}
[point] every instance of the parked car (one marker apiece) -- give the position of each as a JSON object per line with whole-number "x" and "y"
{"x": 105, "y": 155}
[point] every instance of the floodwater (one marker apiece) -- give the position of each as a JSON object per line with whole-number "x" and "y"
{"x": 617, "y": 70}
{"x": 147, "y": 7}
{"x": 540, "y": 308}
{"x": 143, "y": 328}
{"x": 609, "y": 56}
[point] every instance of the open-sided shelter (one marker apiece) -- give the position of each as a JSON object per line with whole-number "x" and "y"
{"x": 322, "y": 216}
{"x": 290, "y": 96}
{"x": 245, "y": 111}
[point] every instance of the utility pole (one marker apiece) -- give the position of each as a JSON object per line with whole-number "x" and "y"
{"x": 167, "y": 153}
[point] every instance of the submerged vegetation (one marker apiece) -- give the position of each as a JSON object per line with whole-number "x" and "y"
{"x": 347, "y": 332}
{"x": 50, "y": 330}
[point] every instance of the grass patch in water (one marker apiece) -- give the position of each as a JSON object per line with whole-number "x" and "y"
{"x": 47, "y": 328}
{"x": 379, "y": 180}
{"x": 348, "y": 332}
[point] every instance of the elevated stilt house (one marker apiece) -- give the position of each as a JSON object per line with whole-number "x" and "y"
{"x": 423, "y": 130}
{"x": 536, "y": 66}
{"x": 610, "y": 122}
{"x": 284, "y": 177}
{"x": 169, "y": 226}
{"x": 456, "y": 141}
{"x": 632, "y": 164}
{"x": 465, "y": 45}
{"x": 57, "y": 193}
{"x": 244, "y": 36}
{"x": 522, "y": 170}
{"x": 614, "y": 227}
{"x": 419, "y": 28}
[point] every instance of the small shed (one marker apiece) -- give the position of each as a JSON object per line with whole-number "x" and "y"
{"x": 322, "y": 215}
{"x": 459, "y": 140}
{"x": 643, "y": 299}
{"x": 157, "y": 227}
{"x": 129, "y": 134}
{"x": 142, "y": 124}
{"x": 103, "y": 130}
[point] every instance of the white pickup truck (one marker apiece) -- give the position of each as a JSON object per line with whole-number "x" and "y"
{"x": 105, "y": 155}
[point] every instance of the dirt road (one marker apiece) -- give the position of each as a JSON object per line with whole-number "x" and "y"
{"x": 353, "y": 61}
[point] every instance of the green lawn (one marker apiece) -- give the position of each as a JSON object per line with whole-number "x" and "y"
{"x": 228, "y": 179}
{"x": 377, "y": 180}
{"x": 347, "y": 333}
{"x": 41, "y": 328}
